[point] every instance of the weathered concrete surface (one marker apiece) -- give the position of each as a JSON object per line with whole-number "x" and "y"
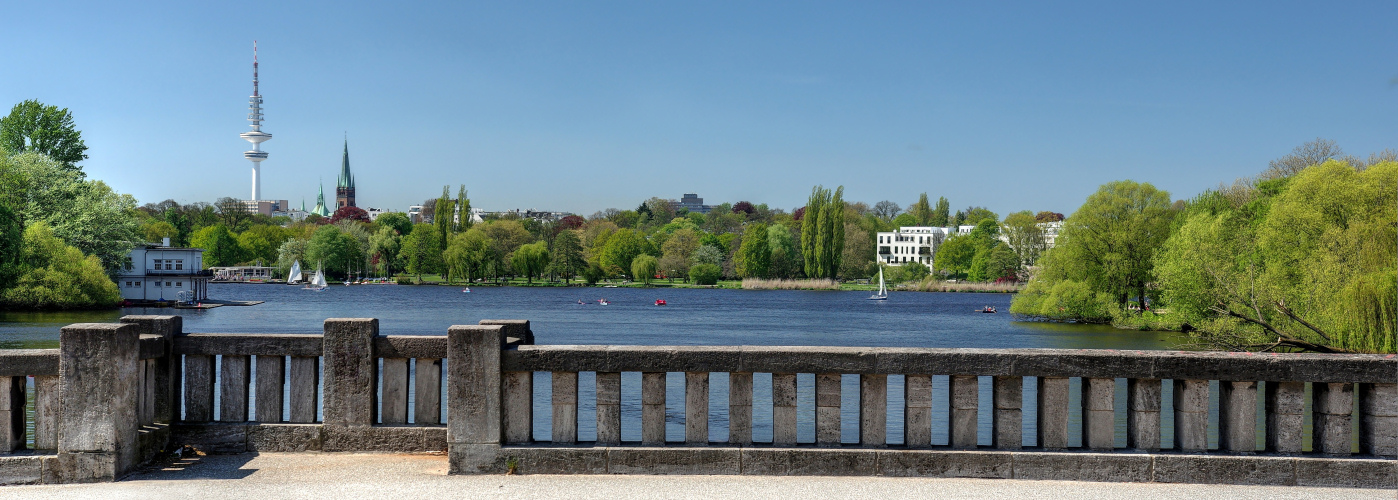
{"x": 97, "y": 402}
{"x": 344, "y": 476}
{"x": 473, "y": 397}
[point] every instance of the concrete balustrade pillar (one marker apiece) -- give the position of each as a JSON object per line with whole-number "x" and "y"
{"x": 351, "y": 371}
{"x": 1285, "y": 404}
{"x": 1237, "y": 416}
{"x": 1143, "y": 414}
{"x": 1191, "y": 415}
{"x": 1378, "y": 419}
{"x": 1098, "y": 413}
{"x": 565, "y": 407}
{"x": 473, "y": 398}
{"x": 827, "y": 409}
{"x": 12, "y": 432}
{"x": 519, "y": 406}
{"x": 1331, "y": 423}
{"x": 873, "y": 409}
{"x": 917, "y": 411}
{"x": 784, "y": 409}
{"x": 1053, "y": 413}
{"x": 98, "y": 366}
{"x": 1007, "y": 426}
{"x": 653, "y": 408}
{"x": 740, "y": 408}
{"x": 46, "y": 412}
{"x": 696, "y": 408}
{"x": 167, "y": 374}
{"x": 965, "y": 396}
{"x": 608, "y": 408}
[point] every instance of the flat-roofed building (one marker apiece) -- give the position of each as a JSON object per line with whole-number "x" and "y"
{"x": 161, "y": 272}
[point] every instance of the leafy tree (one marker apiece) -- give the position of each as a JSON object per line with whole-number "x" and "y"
{"x": 567, "y": 255}
{"x": 886, "y": 210}
{"x": 443, "y": 218}
{"x": 823, "y": 232}
{"x": 232, "y": 213}
{"x": 532, "y": 259}
{"x": 256, "y": 247}
{"x": 85, "y": 214}
{"x": 505, "y": 236}
{"x": 463, "y": 210}
{"x": 178, "y": 220}
{"x": 643, "y": 268}
{"x": 707, "y": 254}
{"x": 941, "y": 216}
{"x": 47, "y": 130}
{"x": 921, "y": 211}
{"x": 955, "y": 255}
{"x": 349, "y": 213}
{"x": 858, "y": 260}
{"x": 468, "y": 254}
{"x": 705, "y": 274}
{"x": 1025, "y": 237}
{"x": 55, "y": 275}
{"x": 157, "y": 231}
{"x": 420, "y": 250}
{"x": 993, "y": 263}
{"x": 397, "y": 221}
{"x": 676, "y": 252}
{"x": 221, "y": 248}
{"x": 744, "y": 208}
{"x": 570, "y": 222}
{"x": 974, "y": 215}
{"x": 785, "y": 260}
{"x": 621, "y": 248}
{"x": 754, "y": 256}
{"x": 905, "y": 220}
{"x": 337, "y": 251}
{"x": 1302, "y": 262}
{"x": 384, "y": 247}
{"x": 11, "y": 244}
{"x": 291, "y": 251}
{"x": 1047, "y": 216}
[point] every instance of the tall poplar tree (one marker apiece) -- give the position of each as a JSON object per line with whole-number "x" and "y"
{"x": 443, "y": 218}
{"x": 922, "y": 210}
{"x": 823, "y": 232}
{"x": 941, "y": 216}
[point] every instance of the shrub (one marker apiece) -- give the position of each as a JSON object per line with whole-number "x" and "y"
{"x": 704, "y": 274}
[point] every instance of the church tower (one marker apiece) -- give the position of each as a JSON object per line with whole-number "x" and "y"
{"x": 344, "y": 188}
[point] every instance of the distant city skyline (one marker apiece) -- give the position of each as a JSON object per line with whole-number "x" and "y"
{"x": 582, "y": 107}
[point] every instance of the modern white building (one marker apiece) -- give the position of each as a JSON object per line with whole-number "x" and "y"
{"x": 914, "y": 243}
{"x": 159, "y": 272}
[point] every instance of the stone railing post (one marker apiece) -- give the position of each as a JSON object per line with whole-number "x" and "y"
{"x": 473, "y": 398}
{"x": 1334, "y": 402}
{"x": 1378, "y": 419}
{"x": 1191, "y": 415}
{"x": 167, "y": 369}
{"x": 98, "y": 369}
{"x": 351, "y": 374}
{"x": 1143, "y": 414}
{"x": 1098, "y": 413}
{"x": 1007, "y": 426}
{"x": 1237, "y": 416}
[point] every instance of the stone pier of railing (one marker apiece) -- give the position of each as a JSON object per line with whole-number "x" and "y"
{"x": 115, "y": 395}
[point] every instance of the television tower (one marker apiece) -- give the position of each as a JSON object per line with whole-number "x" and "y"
{"x": 256, "y": 136}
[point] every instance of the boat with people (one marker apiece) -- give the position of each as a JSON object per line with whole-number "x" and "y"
{"x": 883, "y": 290}
{"x": 317, "y": 282}
{"x": 659, "y": 302}
{"x": 603, "y": 302}
{"x": 988, "y": 309}
{"x": 295, "y": 276}
{"x": 466, "y": 290}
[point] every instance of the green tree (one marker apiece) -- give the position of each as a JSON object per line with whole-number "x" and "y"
{"x": 823, "y": 232}
{"x": 157, "y": 231}
{"x": 220, "y": 246}
{"x": 974, "y": 215}
{"x": 905, "y": 220}
{"x": 785, "y": 252}
{"x": 505, "y": 237}
{"x": 754, "y": 255}
{"x": 941, "y": 216}
{"x": 469, "y": 254}
{"x": 384, "y": 247}
{"x": 47, "y": 130}
{"x": 333, "y": 251}
{"x": 531, "y": 260}
{"x": 677, "y": 251}
{"x": 55, "y": 275}
{"x": 921, "y": 211}
{"x": 1025, "y": 236}
{"x": 705, "y": 274}
{"x": 643, "y": 268}
{"x": 860, "y": 249}
{"x": 397, "y": 221}
{"x": 621, "y": 248}
{"x": 444, "y": 218}
{"x": 233, "y": 213}
{"x": 567, "y": 255}
{"x": 956, "y": 255}
{"x": 11, "y": 244}
{"x": 420, "y": 250}
{"x": 463, "y": 210}
{"x": 291, "y": 251}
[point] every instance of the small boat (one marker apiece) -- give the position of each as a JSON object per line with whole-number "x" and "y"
{"x": 883, "y": 291}
{"x": 581, "y": 303}
{"x": 604, "y": 302}
{"x": 295, "y": 275}
{"x": 466, "y": 290}
{"x": 988, "y": 310}
{"x": 317, "y": 283}
{"x": 659, "y": 302}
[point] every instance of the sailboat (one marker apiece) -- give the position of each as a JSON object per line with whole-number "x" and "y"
{"x": 883, "y": 291}
{"x": 295, "y": 275}
{"x": 318, "y": 282}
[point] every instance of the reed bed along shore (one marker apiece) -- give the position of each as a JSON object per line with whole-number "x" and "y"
{"x": 763, "y": 284}
{"x": 946, "y": 286}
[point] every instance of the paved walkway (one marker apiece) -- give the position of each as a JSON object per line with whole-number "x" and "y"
{"x": 345, "y": 476}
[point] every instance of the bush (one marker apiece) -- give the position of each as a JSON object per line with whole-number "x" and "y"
{"x": 58, "y": 276}
{"x": 705, "y": 274}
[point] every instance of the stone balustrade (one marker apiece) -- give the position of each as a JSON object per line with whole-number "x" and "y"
{"x": 114, "y": 395}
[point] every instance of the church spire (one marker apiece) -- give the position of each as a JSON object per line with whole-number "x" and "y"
{"x": 344, "y": 187}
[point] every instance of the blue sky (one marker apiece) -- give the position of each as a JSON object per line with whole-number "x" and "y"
{"x": 580, "y": 106}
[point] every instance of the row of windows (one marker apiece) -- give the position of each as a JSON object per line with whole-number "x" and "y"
{"x": 170, "y": 264}
{"x": 920, "y": 239}
{"x": 892, "y": 260}
{"x": 137, "y": 284}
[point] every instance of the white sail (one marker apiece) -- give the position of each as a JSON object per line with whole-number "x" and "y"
{"x": 319, "y": 279}
{"x": 883, "y": 292}
{"x": 295, "y": 273}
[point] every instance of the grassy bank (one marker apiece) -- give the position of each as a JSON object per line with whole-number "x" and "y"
{"x": 761, "y": 284}
{"x": 745, "y": 284}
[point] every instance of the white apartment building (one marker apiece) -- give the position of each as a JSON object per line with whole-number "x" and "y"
{"x": 920, "y": 244}
{"x": 159, "y": 272}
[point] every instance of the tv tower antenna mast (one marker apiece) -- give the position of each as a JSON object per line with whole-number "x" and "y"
{"x": 256, "y": 136}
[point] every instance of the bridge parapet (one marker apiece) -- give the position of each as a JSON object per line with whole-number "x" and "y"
{"x": 114, "y": 395}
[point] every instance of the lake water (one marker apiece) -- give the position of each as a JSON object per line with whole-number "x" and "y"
{"x": 692, "y": 317}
